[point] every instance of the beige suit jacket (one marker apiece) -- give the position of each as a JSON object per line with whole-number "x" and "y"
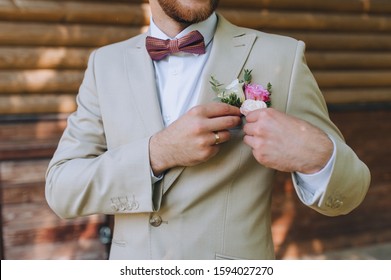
{"x": 219, "y": 209}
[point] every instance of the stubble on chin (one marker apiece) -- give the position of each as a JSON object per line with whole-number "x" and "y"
{"x": 184, "y": 15}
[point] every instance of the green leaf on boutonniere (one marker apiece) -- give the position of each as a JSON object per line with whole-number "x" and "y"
{"x": 232, "y": 99}
{"x": 247, "y": 76}
{"x": 215, "y": 84}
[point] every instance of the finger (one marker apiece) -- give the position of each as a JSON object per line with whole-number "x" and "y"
{"x": 255, "y": 115}
{"x": 255, "y": 129}
{"x": 217, "y": 138}
{"x": 216, "y": 109}
{"x": 223, "y": 123}
{"x": 249, "y": 141}
{"x": 220, "y": 137}
{"x": 247, "y": 129}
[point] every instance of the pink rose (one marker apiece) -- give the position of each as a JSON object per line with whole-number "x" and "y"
{"x": 257, "y": 92}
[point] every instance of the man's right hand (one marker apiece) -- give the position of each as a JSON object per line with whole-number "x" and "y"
{"x": 191, "y": 139}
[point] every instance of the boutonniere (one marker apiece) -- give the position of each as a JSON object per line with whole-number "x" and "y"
{"x": 243, "y": 94}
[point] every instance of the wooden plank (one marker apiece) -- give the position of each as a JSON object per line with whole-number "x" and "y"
{"x": 342, "y": 41}
{"x": 353, "y": 79}
{"x": 23, "y": 181}
{"x": 348, "y": 60}
{"x": 32, "y": 130}
{"x": 17, "y": 151}
{"x": 74, "y": 35}
{"x": 24, "y": 237}
{"x": 40, "y": 81}
{"x": 351, "y": 6}
{"x": 83, "y": 249}
{"x": 271, "y": 20}
{"x": 76, "y": 12}
{"x": 357, "y": 95}
{"x": 37, "y": 104}
{"x": 39, "y": 215}
{"x": 28, "y": 216}
{"x": 36, "y": 139}
{"x": 36, "y": 223}
{"x": 14, "y": 173}
{"x": 23, "y": 193}
{"x": 43, "y": 58}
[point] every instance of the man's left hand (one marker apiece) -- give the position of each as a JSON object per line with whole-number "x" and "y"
{"x": 286, "y": 143}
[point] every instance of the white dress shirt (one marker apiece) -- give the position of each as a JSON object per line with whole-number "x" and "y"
{"x": 178, "y": 75}
{"x": 177, "y": 78}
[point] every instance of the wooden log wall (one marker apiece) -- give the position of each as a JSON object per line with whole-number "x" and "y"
{"x": 44, "y": 46}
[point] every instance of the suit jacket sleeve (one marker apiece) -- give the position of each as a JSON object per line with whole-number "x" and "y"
{"x": 84, "y": 177}
{"x": 350, "y": 177}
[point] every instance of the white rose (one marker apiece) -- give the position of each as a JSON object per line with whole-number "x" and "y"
{"x": 251, "y": 105}
{"x": 237, "y": 88}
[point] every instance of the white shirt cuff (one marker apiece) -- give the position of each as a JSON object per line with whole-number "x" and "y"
{"x": 155, "y": 179}
{"x": 313, "y": 186}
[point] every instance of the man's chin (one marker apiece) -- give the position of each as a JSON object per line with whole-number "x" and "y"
{"x": 189, "y": 13}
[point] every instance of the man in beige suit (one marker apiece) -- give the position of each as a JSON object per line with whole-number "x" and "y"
{"x": 187, "y": 177}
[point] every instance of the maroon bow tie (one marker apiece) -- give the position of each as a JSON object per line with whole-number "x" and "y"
{"x": 191, "y": 43}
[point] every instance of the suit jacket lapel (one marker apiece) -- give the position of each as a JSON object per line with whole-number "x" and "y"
{"x": 142, "y": 81}
{"x": 231, "y": 47}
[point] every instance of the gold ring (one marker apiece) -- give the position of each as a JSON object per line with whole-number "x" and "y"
{"x": 217, "y": 138}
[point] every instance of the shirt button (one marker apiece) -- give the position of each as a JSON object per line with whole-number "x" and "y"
{"x": 155, "y": 221}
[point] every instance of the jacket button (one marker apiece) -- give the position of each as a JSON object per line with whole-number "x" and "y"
{"x": 122, "y": 206}
{"x": 133, "y": 205}
{"x": 338, "y": 203}
{"x": 334, "y": 203}
{"x": 114, "y": 207}
{"x": 155, "y": 221}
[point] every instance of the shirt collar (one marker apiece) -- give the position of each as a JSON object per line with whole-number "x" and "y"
{"x": 206, "y": 28}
